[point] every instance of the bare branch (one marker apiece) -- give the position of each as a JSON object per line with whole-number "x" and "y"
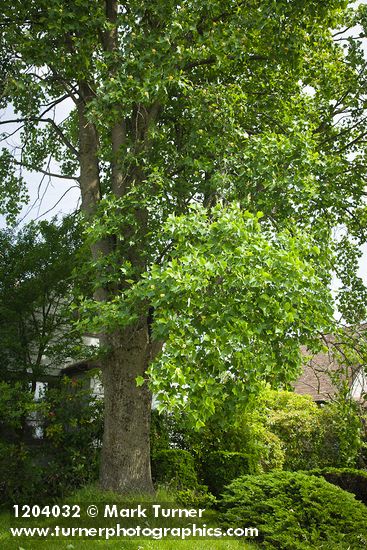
{"x": 342, "y": 31}
{"x": 45, "y": 172}
{"x": 57, "y": 202}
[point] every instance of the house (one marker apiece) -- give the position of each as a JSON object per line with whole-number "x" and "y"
{"x": 323, "y": 374}
{"x": 79, "y": 369}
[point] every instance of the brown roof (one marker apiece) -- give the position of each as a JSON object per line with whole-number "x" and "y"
{"x": 316, "y": 379}
{"x": 322, "y": 372}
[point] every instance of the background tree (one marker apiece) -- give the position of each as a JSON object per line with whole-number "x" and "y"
{"x": 49, "y": 433}
{"x": 37, "y": 332}
{"x": 176, "y": 103}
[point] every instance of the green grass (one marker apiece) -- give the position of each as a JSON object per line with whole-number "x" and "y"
{"x": 136, "y": 545}
{"x": 93, "y": 495}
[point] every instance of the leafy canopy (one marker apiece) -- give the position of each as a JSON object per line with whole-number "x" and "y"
{"x": 237, "y": 107}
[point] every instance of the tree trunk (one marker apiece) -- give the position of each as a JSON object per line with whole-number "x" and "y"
{"x": 125, "y": 461}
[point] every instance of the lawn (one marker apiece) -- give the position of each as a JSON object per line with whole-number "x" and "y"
{"x": 9, "y": 542}
{"x": 92, "y": 495}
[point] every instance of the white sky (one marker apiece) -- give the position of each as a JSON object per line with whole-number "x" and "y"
{"x": 48, "y": 196}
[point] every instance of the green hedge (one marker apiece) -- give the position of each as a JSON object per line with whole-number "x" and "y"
{"x": 295, "y": 511}
{"x": 221, "y": 467}
{"x": 174, "y": 467}
{"x": 349, "y": 479}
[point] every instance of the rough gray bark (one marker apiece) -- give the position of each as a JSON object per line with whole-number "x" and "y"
{"x": 125, "y": 461}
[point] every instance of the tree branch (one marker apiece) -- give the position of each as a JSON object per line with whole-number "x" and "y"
{"x": 62, "y": 136}
{"x": 224, "y": 15}
{"x": 48, "y": 120}
{"x": 57, "y": 202}
{"x": 353, "y": 142}
{"x": 342, "y": 31}
{"x": 45, "y": 172}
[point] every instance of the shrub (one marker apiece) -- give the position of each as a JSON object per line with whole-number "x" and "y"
{"x": 221, "y": 467}
{"x": 195, "y": 498}
{"x": 21, "y": 478}
{"x": 67, "y": 456}
{"x": 73, "y": 432}
{"x": 159, "y": 432}
{"x": 174, "y": 467}
{"x": 281, "y": 430}
{"x": 265, "y": 450}
{"x": 313, "y": 436}
{"x": 244, "y": 435}
{"x": 295, "y": 420}
{"x": 341, "y": 428}
{"x": 349, "y": 479}
{"x": 295, "y": 511}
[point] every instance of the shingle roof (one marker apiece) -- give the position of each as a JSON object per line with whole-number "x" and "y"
{"x": 321, "y": 371}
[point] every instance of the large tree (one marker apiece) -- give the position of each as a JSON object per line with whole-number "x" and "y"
{"x": 252, "y": 111}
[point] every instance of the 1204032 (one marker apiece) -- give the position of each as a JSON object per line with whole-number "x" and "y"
{"x": 54, "y": 511}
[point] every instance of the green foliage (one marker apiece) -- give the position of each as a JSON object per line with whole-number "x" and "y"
{"x": 342, "y": 431}
{"x": 296, "y": 421}
{"x": 265, "y": 450}
{"x": 37, "y": 335}
{"x": 67, "y": 456}
{"x": 294, "y": 511}
{"x": 242, "y": 434}
{"x": 229, "y": 281}
{"x": 159, "y": 432}
{"x": 343, "y": 418}
{"x": 251, "y": 105}
{"x": 222, "y": 467}
{"x": 313, "y": 436}
{"x": 73, "y": 433}
{"x": 175, "y": 468}
{"x": 16, "y": 404}
{"x": 196, "y": 498}
{"x": 213, "y": 104}
{"x": 271, "y": 451}
{"x": 36, "y": 265}
{"x": 351, "y": 480}
{"x": 279, "y": 430}
{"x": 20, "y": 477}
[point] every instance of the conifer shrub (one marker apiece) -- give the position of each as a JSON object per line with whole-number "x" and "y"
{"x": 351, "y": 480}
{"x": 295, "y": 511}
